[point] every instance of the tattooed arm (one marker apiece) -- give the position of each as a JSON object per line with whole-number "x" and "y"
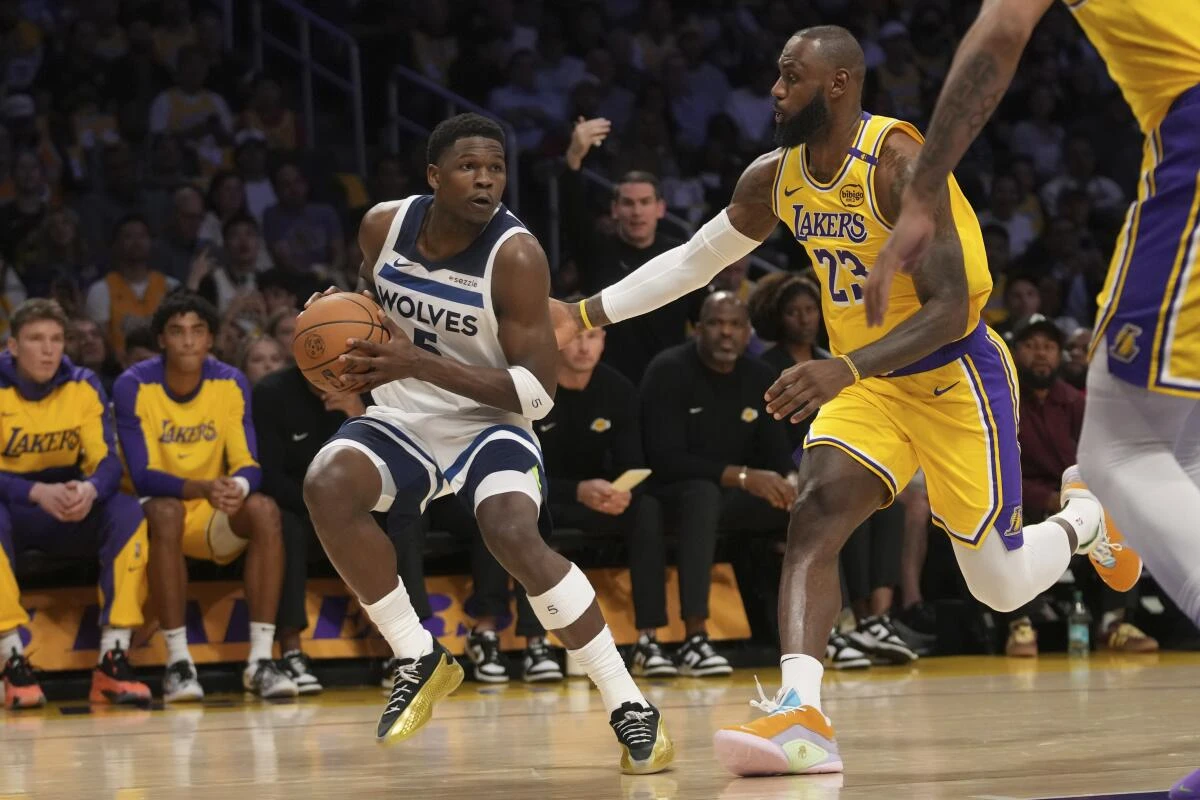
{"x": 941, "y": 284}
{"x": 982, "y": 69}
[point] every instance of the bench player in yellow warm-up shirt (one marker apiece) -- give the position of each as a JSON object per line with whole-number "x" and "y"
{"x": 1138, "y": 449}
{"x": 932, "y": 388}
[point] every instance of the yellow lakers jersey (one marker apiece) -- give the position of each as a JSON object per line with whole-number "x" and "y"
{"x": 167, "y": 439}
{"x": 841, "y": 227}
{"x": 1151, "y": 47}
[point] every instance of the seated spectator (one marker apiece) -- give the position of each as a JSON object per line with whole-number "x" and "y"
{"x": 532, "y": 111}
{"x": 250, "y": 156}
{"x": 21, "y": 217}
{"x": 118, "y": 193}
{"x": 996, "y": 248}
{"x": 786, "y": 309}
{"x": 719, "y": 458}
{"x": 260, "y": 357}
{"x": 238, "y": 275}
{"x": 140, "y": 345}
{"x": 1022, "y": 299}
{"x": 1104, "y": 193}
{"x": 282, "y": 291}
{"x": 292, "y": 419}
{"x": 129, "y": 294}
{"x": 735, "y": 280}
{"x": 59, "y": 475}
{"x": 180, "y": 253}
{"x": 88, "y": 348}
{"x": 243, "y": 319}
{"x": 1075, "y": 365}
{"x": 199, "y": 116}
{"x": 267, "y": 114}
{"x": 1051, "y": 421}
{"x": 184, "y": 422}
{"x": 590, "y": 437}
{"x": 304, "y": 237}
{"x": 282, "y": 326}
{"x": 58, "y": 252}
{"x": 1003, "y": 212}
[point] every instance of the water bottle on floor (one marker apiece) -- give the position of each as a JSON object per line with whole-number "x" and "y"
{"x": 1079, "y": 627}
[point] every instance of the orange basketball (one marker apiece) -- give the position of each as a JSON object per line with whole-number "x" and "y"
{"x": 321, "y": 333}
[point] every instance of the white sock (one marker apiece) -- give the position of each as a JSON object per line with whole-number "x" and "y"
{"x": 803, "y": 673}
{"x": 10, "y": 643}
{"x": 396, "y": 620}
{"x": 604, "y": 665}
{"x": 1083, "y": 514}
{"x": 177, "y": 649}
{"x": 112, "y": 638}
{"x": 262, "y": 642}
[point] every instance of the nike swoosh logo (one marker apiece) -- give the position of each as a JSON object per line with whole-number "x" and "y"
{"x": 790, "y": 192}
{"x": 299, "y": 437}
{"x": 939, "y": 391}
{"x": 547, "y": 426}
{"x": 695, "y": 410}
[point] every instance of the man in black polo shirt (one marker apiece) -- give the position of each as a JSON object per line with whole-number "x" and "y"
{"x": 292, "y": 419}
{"x": 603, "y": 258}
{"x": 719, "y": 459}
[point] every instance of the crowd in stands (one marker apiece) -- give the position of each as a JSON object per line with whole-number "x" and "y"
{"x": 159, "y": 190}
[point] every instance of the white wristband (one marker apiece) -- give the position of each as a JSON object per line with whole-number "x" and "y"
{"x": 535, "y": 402}
{"x": 670, "y": 275}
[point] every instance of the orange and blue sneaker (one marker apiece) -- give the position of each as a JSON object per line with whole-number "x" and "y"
{"x": 1114, "y": 560}
{"x": 21, "y": 689}
{"x": 113, "y": 681}
{"x": 792, "y": 739}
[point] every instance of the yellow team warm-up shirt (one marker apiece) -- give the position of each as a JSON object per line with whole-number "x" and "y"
{"x": 841, "y": 227}
{"x": 167, "y": 439}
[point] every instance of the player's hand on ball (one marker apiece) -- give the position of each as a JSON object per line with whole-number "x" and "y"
{"x": 315, "y": 296}
{"x": 801, "y": 390}
{"x": 370, "y": 365}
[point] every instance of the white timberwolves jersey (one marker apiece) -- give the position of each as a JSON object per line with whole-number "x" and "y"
{"x": 444, "y": 307}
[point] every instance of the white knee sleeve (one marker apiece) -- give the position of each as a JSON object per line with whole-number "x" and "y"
{"x": 565, "y": 602}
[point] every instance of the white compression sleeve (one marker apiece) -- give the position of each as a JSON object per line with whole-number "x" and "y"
{"x": 670, "y": 275}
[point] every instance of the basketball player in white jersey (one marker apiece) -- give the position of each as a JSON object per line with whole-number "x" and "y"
{"x": 471, "y": 362}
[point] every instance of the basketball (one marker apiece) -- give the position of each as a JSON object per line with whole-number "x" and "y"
{"x": 321, "y": 333}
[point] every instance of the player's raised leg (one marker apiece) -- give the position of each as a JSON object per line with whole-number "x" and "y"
{"x": 505, "y": 486}
{"x": 837, "y": 494}
{"x": 363, "y": 469}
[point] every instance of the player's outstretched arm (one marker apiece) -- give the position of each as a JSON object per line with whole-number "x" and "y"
{"x": 981, "y": 71}
{"x": 744, "y": 224}
{"x": 941, "y": 283}
{"x": 520, "y": 289}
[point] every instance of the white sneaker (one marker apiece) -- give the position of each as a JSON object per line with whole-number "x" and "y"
{"x": 876, "y": 637}
{"x": 483, "y": 651}
{"x": 265, "y": 679}
{"x": 697, "y": 658}
{"x": 840, "y": 654}
{"x": 540, "y": 665}
{"x": 180, "y": 683}
{"x": 649, "y": 661}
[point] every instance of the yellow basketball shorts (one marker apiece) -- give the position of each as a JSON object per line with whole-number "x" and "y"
{"x": 207, "y": 534}
{"x": 953, "y": 414}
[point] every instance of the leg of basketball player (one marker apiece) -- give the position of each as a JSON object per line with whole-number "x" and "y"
{"x": 344, "y": 484}
{"x": 1140, "y": 453}
{"x": 168, "y": 584}
{"x": 565, "y": 603}
{"x": 258, "y": 522}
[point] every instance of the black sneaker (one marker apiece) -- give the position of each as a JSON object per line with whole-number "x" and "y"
{"x": 645, "y": 747}
{"x": 540, "y": 665}
{"x": 483, "y": 651}
{"x": 389, "y": 670}
{"x": 298, "y": 667}
{"x": 20, "y": 685}
{"x": 878, "y": 638}
{"x": 697, "y": 658}
{"x": 416, "y": 686}
{"x": 649, "y": 660}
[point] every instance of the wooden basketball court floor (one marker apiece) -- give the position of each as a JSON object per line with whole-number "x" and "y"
{"x": 974, "y": 727}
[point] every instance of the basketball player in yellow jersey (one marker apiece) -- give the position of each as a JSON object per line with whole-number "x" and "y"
{"x": 933, "y": 387}
{"x": 1140, "y": 446}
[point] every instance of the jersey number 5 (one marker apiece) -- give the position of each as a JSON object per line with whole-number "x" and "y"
{"x": 425, "y": 340}
{"x": 846, "y": 260}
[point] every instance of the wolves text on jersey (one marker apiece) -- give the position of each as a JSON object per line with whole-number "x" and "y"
{"x": 426, "y": 313}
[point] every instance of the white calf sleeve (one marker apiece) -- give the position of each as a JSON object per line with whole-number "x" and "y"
{"x": 565, "y": 602}
{"x": 1140, "y": 454}
{"x": 1008, "y": 579}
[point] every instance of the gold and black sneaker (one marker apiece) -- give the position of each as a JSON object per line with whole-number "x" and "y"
{"x": 416, "y": 686}
{"x": 645, "y": 747}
